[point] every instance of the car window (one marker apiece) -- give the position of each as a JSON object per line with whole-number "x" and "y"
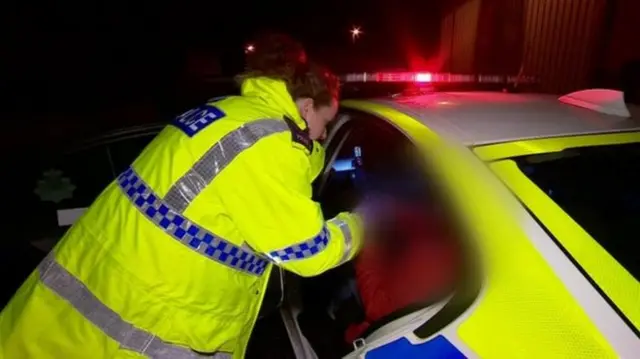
{"x": 125, "y": 151}
{"x": 388, "y": 163}
{"x": 375, "y": 157}
{"x": 599, "y": 187}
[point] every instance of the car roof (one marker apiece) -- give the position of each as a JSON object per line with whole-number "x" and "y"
{"x": 479, "y": 118}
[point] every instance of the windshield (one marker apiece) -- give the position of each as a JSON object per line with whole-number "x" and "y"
{"x": 599, "y": 187}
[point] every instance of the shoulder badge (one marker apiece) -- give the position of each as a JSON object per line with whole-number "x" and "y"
{"x": 197, "y": 119}
{"x": 299, "y": 135}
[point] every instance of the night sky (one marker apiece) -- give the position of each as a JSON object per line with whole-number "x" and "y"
{"x": 71, "y": 64}
{"x": 76, "y": 48}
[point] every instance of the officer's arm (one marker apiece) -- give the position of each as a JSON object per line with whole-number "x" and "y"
{"x": 267, "y": 193}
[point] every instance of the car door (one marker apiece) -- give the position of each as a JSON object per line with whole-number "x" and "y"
{"x": 62, "y": 187}
{"x": 65, "y": 185}
{"x": 389, "y": 156}
{"x": 589, "y": 201}
{"x": 43, "y": 193}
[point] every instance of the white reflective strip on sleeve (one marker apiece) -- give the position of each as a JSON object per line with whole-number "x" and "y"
{"x": 64, "y": 284}
{"x": 217, "y": 158}
{"x": 348, "y": 239}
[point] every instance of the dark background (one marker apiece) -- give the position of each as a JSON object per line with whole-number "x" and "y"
{"x": 71, "y": 68}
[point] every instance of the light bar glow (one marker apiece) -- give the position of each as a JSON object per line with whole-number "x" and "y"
{"x": 423, "y": 77}
{"x": 428, "y": 77}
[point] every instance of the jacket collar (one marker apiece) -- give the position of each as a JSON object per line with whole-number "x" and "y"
{"x": 275, "y": 93}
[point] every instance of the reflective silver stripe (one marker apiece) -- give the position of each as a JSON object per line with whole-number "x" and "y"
{"x": 348, "y": 239}
{"x": 186, "y": 231}
{"x": 217, "y": 158}
{"x": 63, "y": 283}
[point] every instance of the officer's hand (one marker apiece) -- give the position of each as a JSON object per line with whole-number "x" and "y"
{"x": 375, "y": 211}
{"x": 370, "y": 208}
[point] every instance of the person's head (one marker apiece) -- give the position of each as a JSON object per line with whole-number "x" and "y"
{"x": 314, "y": 89}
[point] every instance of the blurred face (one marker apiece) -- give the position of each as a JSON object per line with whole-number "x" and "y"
{"x": 317, "y": 118}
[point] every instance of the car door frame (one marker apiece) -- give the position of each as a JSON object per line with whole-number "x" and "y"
{"x": 344, "y": 119}
{"x": 405, "y": 325}
{"x": 406, "y": 321}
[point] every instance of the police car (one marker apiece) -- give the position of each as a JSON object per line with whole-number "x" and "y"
{"x": 543, "y": 192}
{"x": 545, "y": 195}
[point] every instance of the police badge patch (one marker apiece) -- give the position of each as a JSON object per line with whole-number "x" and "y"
{"x": 196, "y": 120}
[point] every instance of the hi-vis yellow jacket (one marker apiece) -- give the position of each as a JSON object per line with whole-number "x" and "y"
{"x": 172, "y": 259}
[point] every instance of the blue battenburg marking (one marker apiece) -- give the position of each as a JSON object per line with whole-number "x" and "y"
{"x": 187, "y": 232}
{"x": 302, "y": 250}
{"x": 437, "y": 348}
{"x": 196, "y": 120}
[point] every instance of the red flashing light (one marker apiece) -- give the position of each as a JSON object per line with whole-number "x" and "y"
{"x": 427, "y": 77}
{"x": 423, "y": 77}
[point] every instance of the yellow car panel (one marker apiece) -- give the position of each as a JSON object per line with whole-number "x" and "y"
{"x": 547, "y": 145}
{"x": 609, "y": 274}
{"x": 517, "y": 314}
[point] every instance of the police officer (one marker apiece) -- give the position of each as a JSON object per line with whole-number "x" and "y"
{"x": 172, "y": 259}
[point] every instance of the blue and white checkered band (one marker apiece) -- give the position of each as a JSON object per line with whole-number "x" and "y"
{"x": 186, "y": 231}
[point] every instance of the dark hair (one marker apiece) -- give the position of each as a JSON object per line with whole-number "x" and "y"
{"x": 278, "y": 56}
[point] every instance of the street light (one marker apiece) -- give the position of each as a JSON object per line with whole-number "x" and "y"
{"x": 249, "y": 48}
{"x": 355, "y": 33}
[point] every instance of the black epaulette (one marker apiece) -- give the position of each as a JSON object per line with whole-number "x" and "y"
{"x": 299, "y": 135}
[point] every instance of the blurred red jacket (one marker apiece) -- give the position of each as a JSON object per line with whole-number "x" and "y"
{"x": 420, "y": 262}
